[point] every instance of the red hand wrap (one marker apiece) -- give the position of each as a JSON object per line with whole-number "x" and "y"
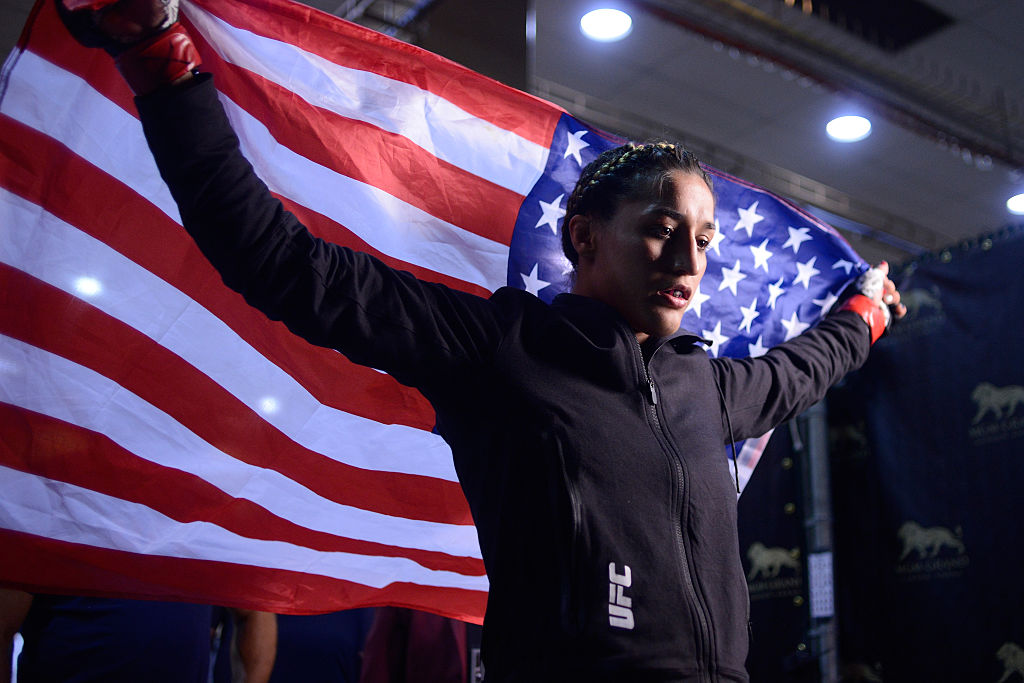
{"x": 869, "y": 311}
{"x": 161, "y": 60}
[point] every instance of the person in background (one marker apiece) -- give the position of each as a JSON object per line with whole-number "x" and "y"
{"x": 73, "y": 639}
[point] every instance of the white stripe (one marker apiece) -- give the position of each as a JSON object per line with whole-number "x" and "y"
{"x": 49, "y": 249}
{"x": 431, "y": 122}
{"x": 58, "y": 510}
{"x": 54, "y": 386}
{"x": 65, "y": 107}
{"x": 384, "y": 222}
{"x": 106, "y": 136}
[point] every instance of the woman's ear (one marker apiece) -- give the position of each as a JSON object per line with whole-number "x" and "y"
{"x": 582, "y": 234}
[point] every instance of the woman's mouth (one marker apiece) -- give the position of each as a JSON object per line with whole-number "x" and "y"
{"x": 676, "y": 297}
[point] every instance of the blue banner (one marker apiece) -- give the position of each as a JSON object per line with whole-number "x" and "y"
{"x": 928, "y": 476}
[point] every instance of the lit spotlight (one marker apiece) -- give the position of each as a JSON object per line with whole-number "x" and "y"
{"x": 1016, "y": 204}
{"x": 88, "y": 286}
{"x": 848, "y": 128}
{"x": 269, "y": 405}
{"x": 606, "y": 25}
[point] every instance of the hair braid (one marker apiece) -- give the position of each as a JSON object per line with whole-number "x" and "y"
{"x": 627, "y": 172}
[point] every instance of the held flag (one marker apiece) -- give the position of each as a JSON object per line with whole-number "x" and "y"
{"x": 160, "y": 439}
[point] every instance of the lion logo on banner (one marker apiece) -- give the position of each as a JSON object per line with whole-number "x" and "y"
{"x": 768, "y": 562}
{"x": 1000, "y": 401}
{"x": 1012, "y": 657}
{"x": 927, "y": 542}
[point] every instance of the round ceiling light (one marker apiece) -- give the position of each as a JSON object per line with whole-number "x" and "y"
{"x": 1016, "y": 204}
{"x": 848, "y": 128}
{"x": 606, "y": 25}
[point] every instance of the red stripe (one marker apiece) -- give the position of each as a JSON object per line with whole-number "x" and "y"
{"x": 356, "y": 47}
{"x": 369, "y": 154}
{"x": 43, "y": 564}
{"x": 47, "y": 447}
{"x": 89, "y": 337}
{"x": 44, "y": 172}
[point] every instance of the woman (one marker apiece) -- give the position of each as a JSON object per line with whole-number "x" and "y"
{"x": 587, "y": 434}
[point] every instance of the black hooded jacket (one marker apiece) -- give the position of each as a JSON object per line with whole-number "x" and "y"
{"x": 594, "y": 467}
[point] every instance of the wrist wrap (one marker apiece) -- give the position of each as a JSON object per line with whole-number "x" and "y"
{"x": 871, "y": 313}
{"x": 160, "y": 60}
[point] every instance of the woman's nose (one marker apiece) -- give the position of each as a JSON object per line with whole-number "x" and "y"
{"x": 684, "y": 259}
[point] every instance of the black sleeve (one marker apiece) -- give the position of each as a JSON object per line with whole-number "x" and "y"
{"x": 761, "y": 393}
{"x": 329, "y": 295}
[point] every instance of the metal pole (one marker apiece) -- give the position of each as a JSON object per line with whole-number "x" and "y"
{"x": 818, "y": 529}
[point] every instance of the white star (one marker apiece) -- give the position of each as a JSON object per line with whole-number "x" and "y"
{"x": 844, "y": 264}
{"x": 793, "y": 326}
{"x": 761, "y": 256}
{"x": 697, "y": 300}
{"x": 756, "y": 349}
{"x": 748, "y": 219}
{"x": 573, "y": 144}
{"x": 797, "y": 236}
{"x": 716, "y": 337}
{"x": 532, "y": 283}
{"x": 806, "y": 272}
{"x": 731, "y": 277}
{"x": 552, "y": 213}
{"x": 717, "y": 239}
{"x": 748, "y": 315}
{"x": 826, "y": 303}
{"x": 774, "y": 292}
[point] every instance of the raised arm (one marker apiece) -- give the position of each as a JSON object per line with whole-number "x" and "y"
{"x": 761, "y": 393}
{"x": 327, "y": 294}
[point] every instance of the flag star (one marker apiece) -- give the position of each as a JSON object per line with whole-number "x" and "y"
{"x": 756, "y": 349}
{"x": 797, "y": 236}
{"x": 774, "y": 292}
{"x": 573, "y": 144}
{"x": 761, "y": 256}
{"x": 551, "y": 213}
{"x": 793, "y": 326}
{"x": 826, "y": 303}
{"x": 731, "y": 277}
{"x": 532, "y": 283}
{"x": 748, "y": 315}
{"x": 716, "y": 337}
{"x": 697, "y": 300}
{"x": 748, "y": 219}
{"x": 717, "y": 239}
{"x": 844, "y": 264}
{"x": 805, "y": 272}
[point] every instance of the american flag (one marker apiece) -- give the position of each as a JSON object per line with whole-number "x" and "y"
{"x": 161, "y": 439}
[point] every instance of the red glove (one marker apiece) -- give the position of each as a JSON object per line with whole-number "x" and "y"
{"x": 149, "y": 45}
{"x": 877, "y": 295}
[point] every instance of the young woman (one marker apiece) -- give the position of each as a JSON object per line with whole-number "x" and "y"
{"x": 587, "y": 434}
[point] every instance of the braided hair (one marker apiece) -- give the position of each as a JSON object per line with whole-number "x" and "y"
{"x": 626, "y": 173}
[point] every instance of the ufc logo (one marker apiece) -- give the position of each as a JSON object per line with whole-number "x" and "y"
{"x": 620, "y": 613}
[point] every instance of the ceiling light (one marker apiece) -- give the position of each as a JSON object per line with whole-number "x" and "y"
{"x": 1016, "y": 204}
{"x": 848, "y": 128}
{"x": 606, "y": 25}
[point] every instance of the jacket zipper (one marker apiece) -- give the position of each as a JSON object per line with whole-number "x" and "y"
{"x": 704, "y": 636}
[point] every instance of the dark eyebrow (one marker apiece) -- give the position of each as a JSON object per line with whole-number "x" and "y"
{"x": 669, "y": 212}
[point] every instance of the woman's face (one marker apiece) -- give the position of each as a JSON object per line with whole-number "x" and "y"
{"x": 648, "y": 258}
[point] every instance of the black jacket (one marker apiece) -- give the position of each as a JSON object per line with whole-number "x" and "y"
{"x": 594, "y": 468}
